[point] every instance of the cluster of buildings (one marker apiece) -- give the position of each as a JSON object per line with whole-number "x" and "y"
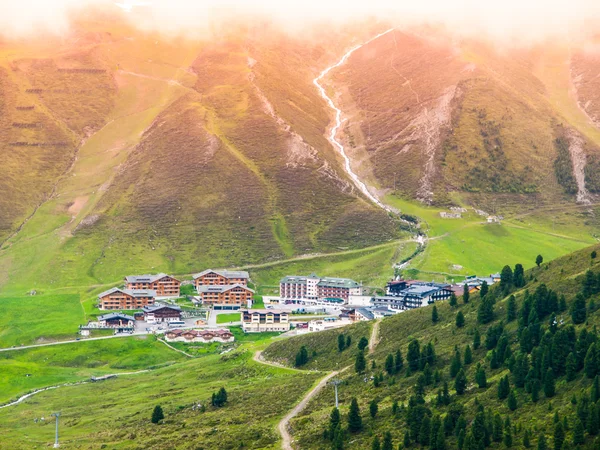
{"x": 203, "y": 336}
{"x": 219, "y": 289}
{"x": 317, "y": 290}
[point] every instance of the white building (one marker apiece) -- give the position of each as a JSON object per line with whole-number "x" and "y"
{"x": 261, "y": 320}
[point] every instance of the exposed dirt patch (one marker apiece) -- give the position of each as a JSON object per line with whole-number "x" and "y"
{"x": 77, "y": 205}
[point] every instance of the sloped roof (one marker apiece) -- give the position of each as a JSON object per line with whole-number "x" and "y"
{"x": 338, "y": 282}
{"x": 132, "y": 292}
{"x": 152, "y": 308}
{"x": 224, "y": 273}
{"x": 115, "y": 316}
{"x": 221, "y": 288}
{"x": 146, "y": 278}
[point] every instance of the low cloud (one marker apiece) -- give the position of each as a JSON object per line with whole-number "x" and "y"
{"x": 526, "y": 19}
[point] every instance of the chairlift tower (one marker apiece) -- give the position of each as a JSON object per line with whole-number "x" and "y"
{"x": 57, "y": 415}
{"x": 336, "y": 383}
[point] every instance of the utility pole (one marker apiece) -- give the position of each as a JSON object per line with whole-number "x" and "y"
{"x": 57, "y": 415}
{"x": 335, "y": 383}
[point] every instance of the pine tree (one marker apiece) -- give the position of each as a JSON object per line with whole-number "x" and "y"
{"x": 579, "y": 309}
{"x": 468, "y": 359}
{"x": 455, "y": 364}
{"x": 466, "y": 294}
{"x": 376, "y": 445}
{"x": 503, "y": 388}
{"x": 506, "y": 278}
{"x": 460, "y": 383}
{"x": 535, "y": 390}
{"x": 414, "y": 355}
{"x": 559, "y": 436}
{"x": 497, "y": 428}
{"x": 508, "y": 439}
{"x": 425, "y": 431}
{"x": 389, "y": 365}
{"x": 480, "y": 377}
{"x": 591, "y": 362}
{"x": 406, "y": 440}
{"x": 578, "y": 433}
{"x": 453, "y": 300}
{"x": 434, "y": 314}
{"x": 157, "y": 414}
{"x": 512, "y": 401}
{"x": 348, "y": 341}
{"x": 363, "y": 343}
{"x": 341, "y": 342}
{"x": 354, "y": 418}
{"x": 539, "y": 260}
{"x": 398, "y": 362}
{"x": 338, "y": 439}
{"x": 549, "y": 384}
{"x": 373, "y": 408}
{"x": 571, "y": 367}
{"x": 595, "y": 390}
{"x": 519, "y": 276}
{"x": 511, "y": 309}
{"x": 461, "y": 440}
{"x": 360, "y": 364}
{"x": 485, "y": 312}
{"x": 301, "y": 356}
{"x": 542, "y": 445}
{"x": 527, "y": 439}
{"x": 334, "y": 422}
{"x": 428, "y": 375}
{"x": 460, "y": 319}
{"x": 476, "y": 339}
{"x": 387, "y": 441}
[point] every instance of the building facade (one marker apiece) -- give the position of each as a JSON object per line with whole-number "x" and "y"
{"x": 226, "y": 296}
{"x": 113, "y": 320}
{"x": 164, "y": 285}
{"x": 221, "y": 278}
{"x": 116, "y": 298}
{"x": 162, "y": 313}
{"x": 414, "y": 295}
{"x": 314, "y": 288}
{"x": 204, "y": 336}
{"x": 261, "y": 320}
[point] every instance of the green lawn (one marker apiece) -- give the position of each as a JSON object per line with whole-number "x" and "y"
{"x": 49, "y": 366}
{"x": 39, "y": 318}
{"x": 230, "y": 317}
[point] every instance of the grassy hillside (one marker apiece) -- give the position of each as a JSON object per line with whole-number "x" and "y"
{"x": 564, "y": 275}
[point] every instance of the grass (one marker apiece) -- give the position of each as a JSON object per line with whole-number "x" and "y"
{"x": 246, "y": 417}
{"x": 225, "y": 318}
{"x": 29, "y": 369}
{"x": 39, "y": 318}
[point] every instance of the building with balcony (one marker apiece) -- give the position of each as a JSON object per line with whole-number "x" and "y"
{"x": 261, "y": 320}
{"x": 164, "y": 285}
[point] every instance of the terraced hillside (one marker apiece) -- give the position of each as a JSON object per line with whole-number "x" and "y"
{"x": 429, "y": 116}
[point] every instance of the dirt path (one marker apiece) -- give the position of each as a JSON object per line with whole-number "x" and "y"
{"x": 286, "y": 443}
{"x": 374, "y": 340}
{"x": 176, "y": 349}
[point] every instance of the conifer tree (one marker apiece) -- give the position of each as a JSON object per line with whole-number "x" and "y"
{"x": 468, "y": 359}
{"x": 571, "y": 367}
{"x": 460, "y": 383}
{"x": 503, "y": 388}
{"x": 434, "y": 314}
{"x": 413, "y": 356}
{"x": 483, "y": 289}
{"x": 453, "y": 300}
{"x": 373, "y": 408}
{"x": 461, "y": 440}
{"x": 376, "y": 444}
{"x": 578, "y": 433}
{"x": 476, "y": 339}
{"x": 406, "y": 440}
{"x": 511, "y": 309}
{"x": 354, "y": 418}
{"x": 334, "y": 422}
{"x": 590, "y": 362}
{"x": 539, "y": 260}
{"x": 485, "y": 312}
{"x": 390, "y": 368}
{"x": 542, "y": 444}
{"x": 527, "y": 439}
{"x": 549, "y": 384}
{"x": 460, "y": 319}
{"x": 301, "y": 357}
{"x": 535, "y": 390}
{"x": 341, "y": 342}
{"x": 425, "y": 431}
{"x": 348, "y": 341}
{"x": 360, "y": 364}
{"x": 363, "y": 343}
{"x": 579, "y": 309}
{"x": 480, "y": 377}
{"x": 519, "y": 276}
{"x": 512, "y": 401}
{"x": 497, "y": 428}
{"x": 398, "y": 362}
{"x": 559, "y": 436}
{"x": 466, "y": 294}
{"x": 428, "y": 375}
{"x": 455, "y": 364}
{"x": 387, "y": 441}
{"x": 508, "y": 439}
{"x": 157, "y": 414}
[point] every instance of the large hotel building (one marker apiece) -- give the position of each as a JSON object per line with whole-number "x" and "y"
{"x": 314, "y": 288}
